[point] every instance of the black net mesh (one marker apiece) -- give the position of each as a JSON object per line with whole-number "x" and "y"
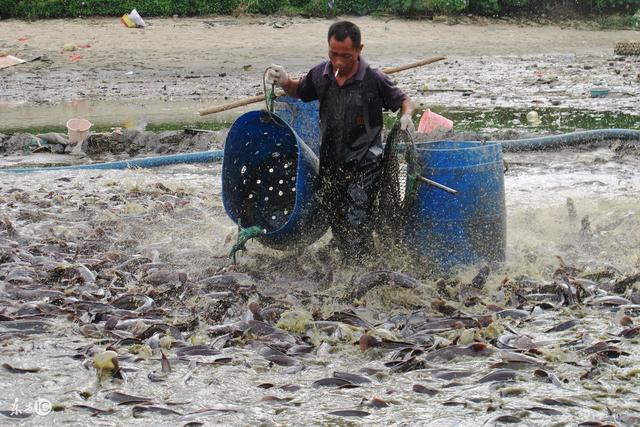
{"x": 397, "y": 190}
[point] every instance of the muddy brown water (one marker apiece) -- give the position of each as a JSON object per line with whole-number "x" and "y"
{"x": 174, "y": 216}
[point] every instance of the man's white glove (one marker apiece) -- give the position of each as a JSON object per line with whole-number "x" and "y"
{"x": 406, "y": 123}
{"x": 276, "y": 74}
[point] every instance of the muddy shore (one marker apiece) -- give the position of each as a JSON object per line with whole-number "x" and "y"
{"x": 175, "y": 67}
{"x": 119, "y": 304}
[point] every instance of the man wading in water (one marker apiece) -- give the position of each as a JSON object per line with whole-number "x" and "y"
{"x": 352, "y": 96}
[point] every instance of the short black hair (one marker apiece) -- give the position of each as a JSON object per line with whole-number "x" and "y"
{"x": 342, "y": 29}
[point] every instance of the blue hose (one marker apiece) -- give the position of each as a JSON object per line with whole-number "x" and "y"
{"x": 568, "y": 139}
{"x": 511, "y": 145}
{"x": 148, "y": 162}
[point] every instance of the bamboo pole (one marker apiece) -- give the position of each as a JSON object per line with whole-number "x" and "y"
{"x": 259, "y": 98}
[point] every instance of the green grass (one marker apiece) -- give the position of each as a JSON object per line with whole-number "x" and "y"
{"x": 153, "y": 127}
{"x": 617, "y": 22}
{"x": 552, "y": 119}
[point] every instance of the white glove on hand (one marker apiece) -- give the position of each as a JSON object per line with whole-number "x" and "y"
{"x": 276, "y": 74}
{"x": 406, "y": 123}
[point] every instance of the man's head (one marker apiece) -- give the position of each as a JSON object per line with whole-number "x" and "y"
{"x": 345, "y": 46}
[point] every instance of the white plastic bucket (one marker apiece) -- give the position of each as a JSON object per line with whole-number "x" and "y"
{"x": 431, "y": 121}
{"x": 78, "y": 130}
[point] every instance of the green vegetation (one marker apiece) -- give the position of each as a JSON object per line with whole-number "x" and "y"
{"x": 35, "y": 9}
{"x": 552, "y": 119}
{"x": 465, "y": 119}
{"x": 101, "y": 127}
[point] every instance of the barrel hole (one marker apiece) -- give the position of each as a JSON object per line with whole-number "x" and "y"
{"x": 281, "y": 182}
{"x": 251, "y": 196}
{"x": 280, "y": 193}
{"x": 243, "y": 170}
{"x": 266, "y": 199}
{"x": 270, "y": 188}
{"x": 258, "y": 181}
{"x": 270, "y": 170}
{"x": 286, "y": 212}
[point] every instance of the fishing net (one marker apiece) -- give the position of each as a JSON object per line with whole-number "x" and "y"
{"x": 397, "y": 189}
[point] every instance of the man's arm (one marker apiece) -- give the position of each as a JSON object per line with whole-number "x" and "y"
{"x": 303, "y": 88}
{"x": 406, "y": 116}
{"x": 290, "y": 87}
{"x": 407, "y": 107}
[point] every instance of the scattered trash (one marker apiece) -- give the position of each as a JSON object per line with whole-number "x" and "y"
{"x": 74, "y": 58}
{"x": 533, "y": 118}
{"x": 36, "y": 145}
{"x": 431, "y": 121}
{"x": 69, "y": 47}
{"x": 78, "y": 130}
{"x": 83, "y": 46}
{"x": 54, "y": 138}
{"x": 133, "y": 20}
{"x": 599, "y": 92}
{"x": 23, "y": 39}
{"x": 247, "y": 67}
{"x": 9, "y": 61}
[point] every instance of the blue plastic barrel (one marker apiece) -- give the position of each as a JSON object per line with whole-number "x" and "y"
{"x": 450, "y": 230}
{"x": 269, "y": 178}
{"x": 303, "y": 117}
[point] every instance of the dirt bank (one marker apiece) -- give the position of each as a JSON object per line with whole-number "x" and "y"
{"x": 172, "y": 68}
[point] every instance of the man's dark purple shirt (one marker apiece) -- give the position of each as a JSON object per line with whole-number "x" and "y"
{"x": 392, "y": 97}
{"x": 350, "y": 115}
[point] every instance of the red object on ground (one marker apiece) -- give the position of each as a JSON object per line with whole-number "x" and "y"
{"x": 431, "y": 121}
{"x": 23, "y": 39}
{"x": 75, "y": 58}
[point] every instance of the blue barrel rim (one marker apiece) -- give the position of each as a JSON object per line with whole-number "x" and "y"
{"x": 464, "y": 145}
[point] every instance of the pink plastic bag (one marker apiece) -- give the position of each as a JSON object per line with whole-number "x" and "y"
{"x": 431, "y": 121}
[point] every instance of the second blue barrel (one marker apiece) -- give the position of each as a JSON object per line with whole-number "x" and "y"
{"x": 450, "y": 230}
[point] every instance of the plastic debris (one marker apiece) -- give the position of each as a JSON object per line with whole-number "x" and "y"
{"x": 133, "y": 20}
{"x": 9, "y": 61}
{"x": 431, "y": 121}
{"x": 533, "y": 118}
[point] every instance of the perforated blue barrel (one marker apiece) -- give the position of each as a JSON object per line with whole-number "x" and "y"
{"x": 269, "y": 178}
{"x": 303, "y": 117}
{"x": 470, "y": 227}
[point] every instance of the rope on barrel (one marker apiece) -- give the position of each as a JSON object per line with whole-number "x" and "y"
{"x": 244, "y": 235}
{"x": 269, "y": 97}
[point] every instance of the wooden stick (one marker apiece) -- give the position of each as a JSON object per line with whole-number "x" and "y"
{"x": 392, "y": 70}
{"x": 259, "y": 98}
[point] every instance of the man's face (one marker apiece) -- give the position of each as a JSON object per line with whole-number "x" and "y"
{"x": 343, "y": 55}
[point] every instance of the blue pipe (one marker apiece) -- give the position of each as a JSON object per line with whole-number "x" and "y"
{"x": 568, "y": 139}
{"x": 510, "y": 145}
{"x": 147, "y": 162}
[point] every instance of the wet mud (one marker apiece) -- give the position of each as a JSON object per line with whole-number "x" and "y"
{"x": 119, "y": 304}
